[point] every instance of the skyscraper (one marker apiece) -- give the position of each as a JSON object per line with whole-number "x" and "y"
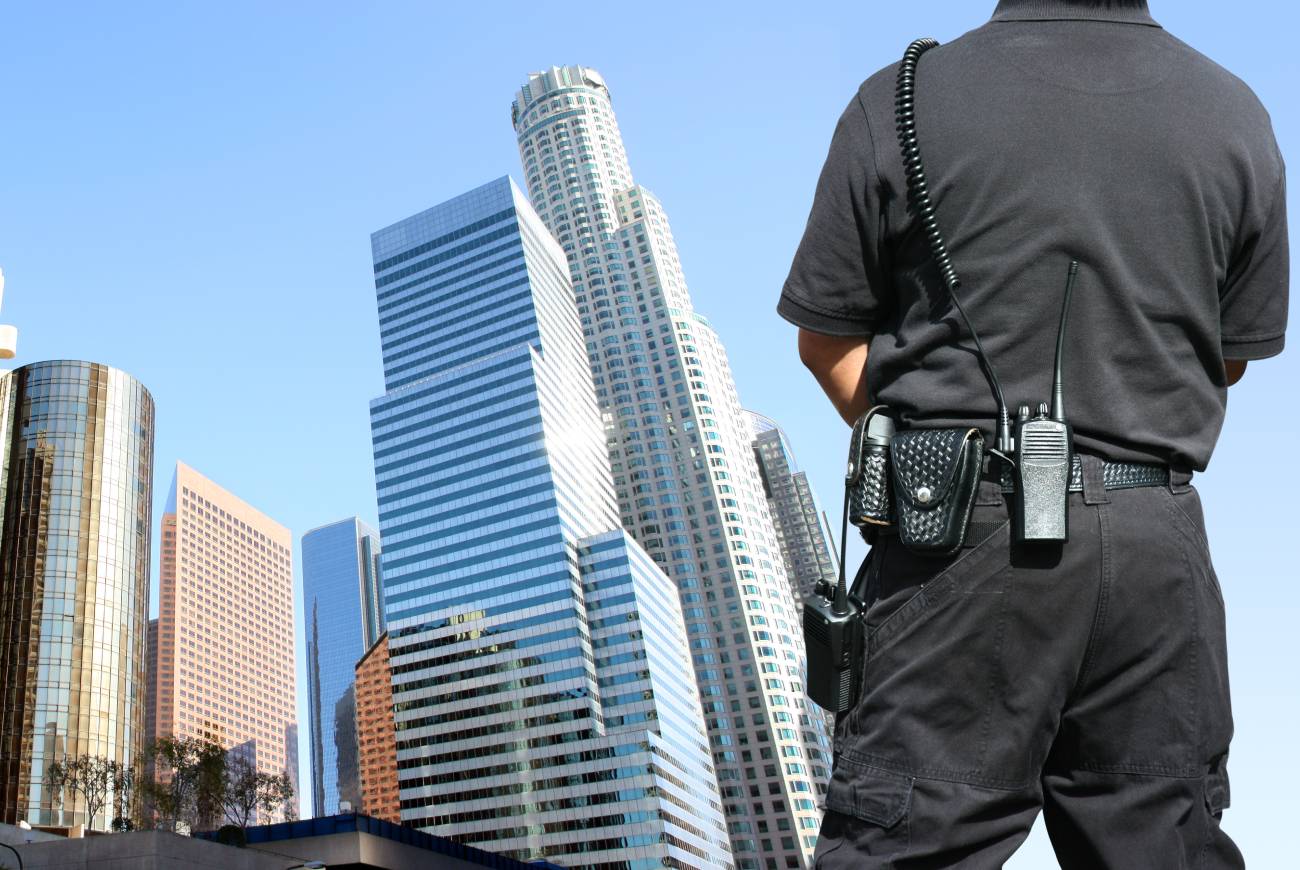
{"x": 544, "y": 702}
{"x": 225, "y": 625}
{"x": 343, "y": 599}
{"x": 680, "y": 450}
{"x": 801, "y": 527}
{"x": 77, "y": 490}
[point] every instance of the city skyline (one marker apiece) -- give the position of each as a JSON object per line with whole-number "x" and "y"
{"x": 267, "y": 281}
{"x": 168, "y": 697}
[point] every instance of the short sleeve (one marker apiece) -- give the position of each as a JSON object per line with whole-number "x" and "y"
{"x": 1253, "y": 303}
{"x": 835, "y": 281}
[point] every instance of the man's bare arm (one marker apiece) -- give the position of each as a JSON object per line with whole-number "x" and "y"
{"x": 840, "y": 365}
{"x": 1236, "y": 368}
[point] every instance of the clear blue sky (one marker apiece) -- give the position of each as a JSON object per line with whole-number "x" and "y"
{"x": 187, "y": 192}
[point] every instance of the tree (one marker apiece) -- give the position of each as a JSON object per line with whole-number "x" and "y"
{"x": 210, "y": 794}
{"x": 248, "y": 790}
{"x": 277, "y": 796}
{"x": 188, "y": 781}
{"x": 197, "y": 783}
{"x": 125, "y": 807}
{"x": 91, "y": 776}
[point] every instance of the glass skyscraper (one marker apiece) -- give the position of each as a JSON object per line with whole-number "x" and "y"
{"x": 680, "y": 450}
{"x": 77, "y": 491}
{"x": 544, "y": 701}
{"x": 345, "y": 616}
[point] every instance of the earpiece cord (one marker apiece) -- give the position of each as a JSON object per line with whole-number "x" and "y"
{"x": 918, "y": 195}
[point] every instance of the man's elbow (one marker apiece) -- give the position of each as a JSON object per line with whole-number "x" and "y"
{"x": 819, "y": 352}
{"x": 804, "y": 339}
{"x": 1234, "y": 368}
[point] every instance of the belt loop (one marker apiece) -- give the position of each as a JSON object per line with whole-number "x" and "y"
{"x": 1094, "y": 485}
{"x": 1180, "y": 480}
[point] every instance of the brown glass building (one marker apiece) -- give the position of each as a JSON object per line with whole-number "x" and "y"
{"x": 376, "y": 735}
{"x": 76, "y": 489}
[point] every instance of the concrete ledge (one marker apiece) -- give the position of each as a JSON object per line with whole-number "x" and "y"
{"x": 143, "y": 850}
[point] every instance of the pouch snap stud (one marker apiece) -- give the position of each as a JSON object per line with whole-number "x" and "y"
{"x": 924, "y": 494}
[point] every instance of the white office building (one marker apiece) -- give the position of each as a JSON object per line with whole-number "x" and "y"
{"x": 680, "y": 450}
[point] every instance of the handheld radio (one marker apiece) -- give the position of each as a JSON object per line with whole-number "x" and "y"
{"x": 833, "y": 639}
{"x": 1044, "y": 453}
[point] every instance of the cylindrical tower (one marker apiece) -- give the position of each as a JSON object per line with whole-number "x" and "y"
{"x": 77, "y": 489}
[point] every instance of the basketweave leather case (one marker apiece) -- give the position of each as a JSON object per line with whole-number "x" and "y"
{"x": 936, "y": 476}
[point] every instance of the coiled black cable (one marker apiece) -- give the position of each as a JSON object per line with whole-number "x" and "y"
{"x": 918, "y": 197}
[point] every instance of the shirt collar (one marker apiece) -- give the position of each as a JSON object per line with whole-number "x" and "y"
{"x": 1060, "y": 10}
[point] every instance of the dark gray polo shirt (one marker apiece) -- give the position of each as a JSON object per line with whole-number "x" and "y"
{"x": 1058, "y": 131}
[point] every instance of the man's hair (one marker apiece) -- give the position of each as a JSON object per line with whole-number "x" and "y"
{"x": 1103, "y": 4}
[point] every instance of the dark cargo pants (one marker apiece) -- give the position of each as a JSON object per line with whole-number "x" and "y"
{"x": 1087, "y": 680}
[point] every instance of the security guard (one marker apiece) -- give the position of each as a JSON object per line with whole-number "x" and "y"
{"x": 1088, "y": 680}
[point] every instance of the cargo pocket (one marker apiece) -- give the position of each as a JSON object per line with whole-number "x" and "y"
{"x": 914, "y": 587}
{"x": 1217, "y": 850}
{"x": 1218, "y": 797}
{"x": 876, "y": 803}
{"x": 933, "y": 673}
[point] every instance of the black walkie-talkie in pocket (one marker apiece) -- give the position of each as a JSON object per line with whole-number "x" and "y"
{"x": 832, "y": 631}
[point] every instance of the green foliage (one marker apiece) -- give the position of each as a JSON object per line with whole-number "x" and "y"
{"x": 186, "y": 789}
{"x": 198, "y": 785}
{"x": 248, "y": 791}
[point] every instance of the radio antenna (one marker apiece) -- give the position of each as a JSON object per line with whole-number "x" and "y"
{"x": 1058, "y": 391}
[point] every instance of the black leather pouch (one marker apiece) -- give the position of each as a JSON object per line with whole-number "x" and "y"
{"x": 936, "y": 477}
{"x": 867, "y": 482}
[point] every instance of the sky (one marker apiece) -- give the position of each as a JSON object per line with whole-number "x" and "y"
{"x": 187, "y": 192}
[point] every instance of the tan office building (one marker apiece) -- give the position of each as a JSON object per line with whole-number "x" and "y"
{"x": 225, "y": 665}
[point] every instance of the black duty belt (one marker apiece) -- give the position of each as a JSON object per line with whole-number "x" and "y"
{"x": 1114, "y": 475}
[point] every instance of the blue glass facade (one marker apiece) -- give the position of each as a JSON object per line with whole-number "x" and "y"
{"x": 544, "y": 699}
{"x": 343, "y": 595}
